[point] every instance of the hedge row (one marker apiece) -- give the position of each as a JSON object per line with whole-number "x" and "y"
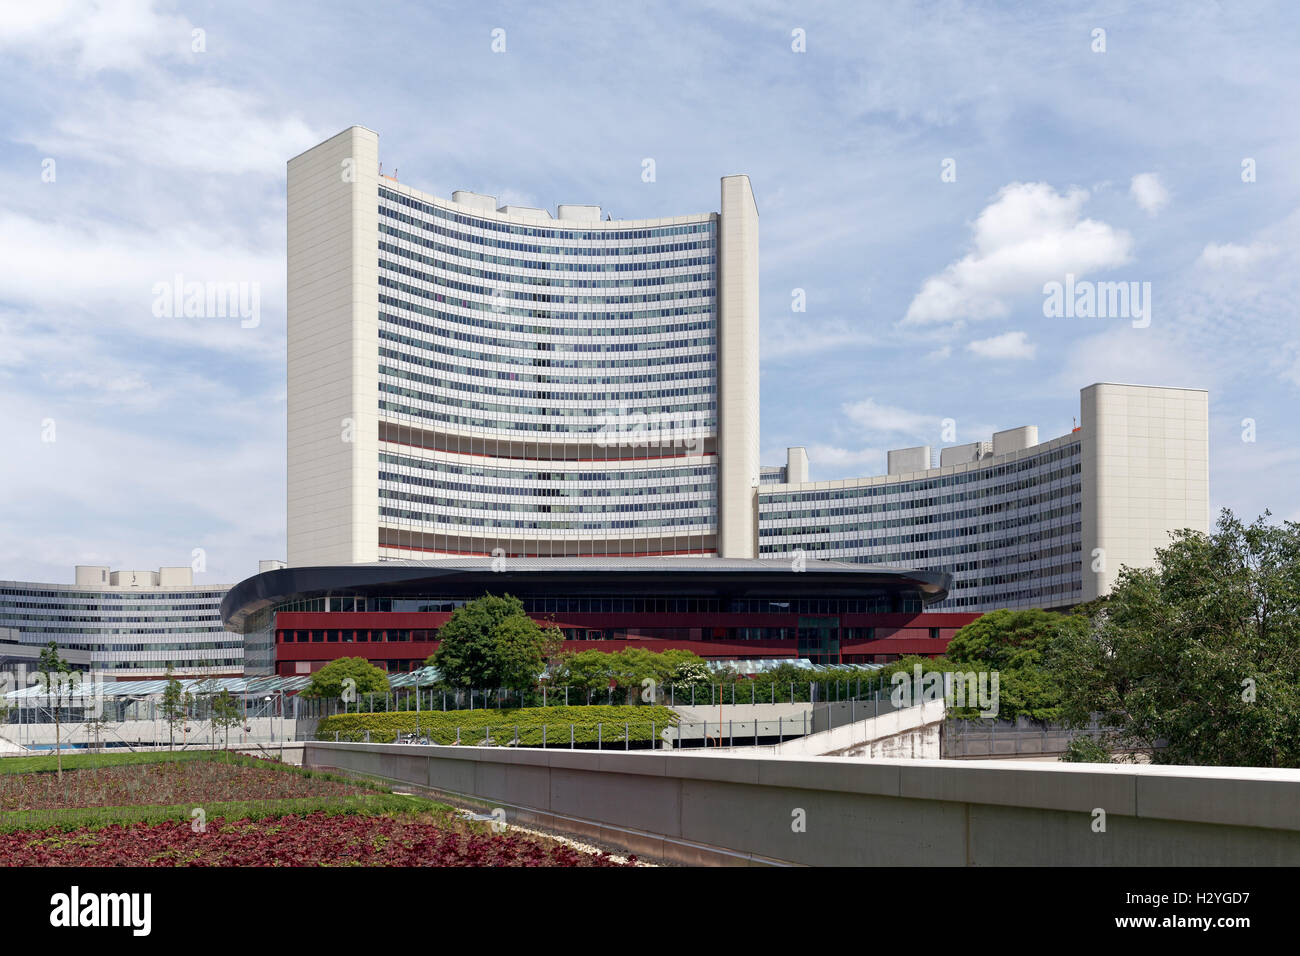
{"x": 504, "y": 727}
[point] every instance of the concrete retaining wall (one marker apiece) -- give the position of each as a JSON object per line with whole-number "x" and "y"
{"x": 910, "y": 733}
{"x": 832, "y": 811}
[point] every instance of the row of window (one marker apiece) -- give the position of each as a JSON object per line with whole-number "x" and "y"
{"x": 470, "y": 421}
{"x": 701, "y": 523}
{"x": 944, "y": 482}
{"x": 544, "y": 394}
{"x": 548, "y": 410}
{"x": 703, "y": 310}
{"x": 542, "y": 232}
{"x": 483, "y": 359}
{"x": 544, "y": 265}
{"x": 897, "y": 602}
{"x": 596, "y": 243}
{"x": 458, "y": 506}
{"x": 578, "y": 381}
{"x": 445, "y": 264}
{"x": 822, "y": 540}
{"x": 602, "y": 251}
{"x": 499, "y": 295}
{"x": 515, "y": 474}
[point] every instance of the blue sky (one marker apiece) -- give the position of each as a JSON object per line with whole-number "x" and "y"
{"x": 924, "y": 296}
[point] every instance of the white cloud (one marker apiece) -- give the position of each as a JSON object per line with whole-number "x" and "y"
{"x": 1010, "y": 345}
{"x": 1029, "y": 233}
{"x": 825, "y": 461}
{"x": 125, "y": 35}
{"x": 1229, "y": 255}
{"x": 1149, "y": 192}
{"x": 794, "y": 337}
{"x": 889, "y": 419}
{"x": 206, "y": 127}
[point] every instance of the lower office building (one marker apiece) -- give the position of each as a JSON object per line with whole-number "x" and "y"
{"x": 124, "y": 625}
{"x": 1018, "y": 523}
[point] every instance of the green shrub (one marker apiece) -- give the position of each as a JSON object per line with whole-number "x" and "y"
{"x": 642, "y": 723}
{"x": 1086, "y": 750}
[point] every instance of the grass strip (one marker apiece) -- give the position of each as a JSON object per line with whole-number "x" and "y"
{"x": 23, "y": 765}
{"x": 74, "y": 818}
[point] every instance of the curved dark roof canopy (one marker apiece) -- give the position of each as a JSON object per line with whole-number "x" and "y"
{"x": 473, "y": 577}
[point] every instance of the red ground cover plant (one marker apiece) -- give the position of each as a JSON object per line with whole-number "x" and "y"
{"x": 317, "y": 839}
{"x": 195, "y": 781}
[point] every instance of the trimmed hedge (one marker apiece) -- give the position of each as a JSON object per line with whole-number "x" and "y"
{"x": 642, "y": 722}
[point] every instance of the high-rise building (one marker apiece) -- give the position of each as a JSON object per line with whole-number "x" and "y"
{"x": 471, "y": 380}
{"x": 468, "y": 378}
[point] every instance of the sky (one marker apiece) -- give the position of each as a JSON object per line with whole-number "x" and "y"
{"x": 923, "y": 172}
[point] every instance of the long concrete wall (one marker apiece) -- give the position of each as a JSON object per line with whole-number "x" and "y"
{"x": 844, "y": 812}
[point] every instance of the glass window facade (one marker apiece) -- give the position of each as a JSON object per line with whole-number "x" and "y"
{"x": 129, "y": 632}
{"x": 546, "y": 389}
{"x": 1010, "y": 532}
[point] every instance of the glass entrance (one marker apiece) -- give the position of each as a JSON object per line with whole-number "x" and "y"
{"x": 819, "y": 639}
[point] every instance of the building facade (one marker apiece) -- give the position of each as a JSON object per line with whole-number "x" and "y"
{"x": 468, "y": 379}
{"x": 1016, "y": 522}
{"x": 472, "y": 379}
{"x": 125, "y": 625}
{"x": 297, "y": 619}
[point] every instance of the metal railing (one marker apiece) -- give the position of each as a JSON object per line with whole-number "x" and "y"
{"x": 744, "y": 691}
{"x": 593, "y": 735}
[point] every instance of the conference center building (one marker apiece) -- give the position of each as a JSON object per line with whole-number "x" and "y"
{"x": 488, "y": 398}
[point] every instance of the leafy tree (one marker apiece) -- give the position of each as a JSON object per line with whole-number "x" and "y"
{"x": 174, "y": 706}
{"x": 1020, "y": 647}
{"x": 630, "y": 668}
{"x": 58, "y": 683}
{"x": 1200, "y": 653}
{"x": 490, "y": 642}
{"x": 224, "y": 713}
{"x": 329, "y": 681}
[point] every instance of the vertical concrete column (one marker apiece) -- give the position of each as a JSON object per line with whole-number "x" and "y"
{"x": 1145, "y": 474}
{"x": 333, "y": 351}
{"x": 738, "y": 370}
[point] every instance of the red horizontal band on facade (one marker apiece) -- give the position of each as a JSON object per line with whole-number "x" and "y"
{"x": 489, "y": 554}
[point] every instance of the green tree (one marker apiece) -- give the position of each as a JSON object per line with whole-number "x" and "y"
{"x": 1020, "y": 646}
{"x": 58, "y": 682}
{"x": 490, "y": 642}
{"x": 224, "y": 712}
{"x": 1200, "y": 653}
{"x": 174, "y": 706}
{"x": 331, "y": 681}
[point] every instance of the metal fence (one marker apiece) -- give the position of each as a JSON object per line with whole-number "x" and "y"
{"x": 1002, "y": 738}
{"x": 593, "y": 735}
{"x": 666, "y": 695}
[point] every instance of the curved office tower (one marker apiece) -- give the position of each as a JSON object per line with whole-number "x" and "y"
{"x": 1018, "y": 523}
{"x": 468, "y": 379}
